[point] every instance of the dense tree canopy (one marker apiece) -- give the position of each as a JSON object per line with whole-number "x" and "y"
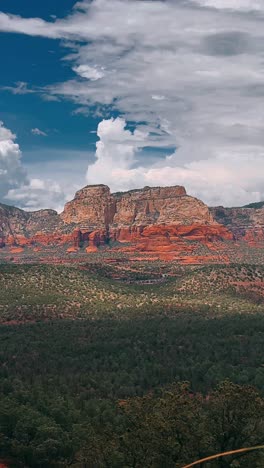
{"x": 110, "y": 389}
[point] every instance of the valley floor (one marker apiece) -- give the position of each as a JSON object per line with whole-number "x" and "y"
{"x": 96, "y": 356}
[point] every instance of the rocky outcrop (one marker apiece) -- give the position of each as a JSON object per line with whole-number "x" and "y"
{"x": 153, "y": 219}
{"x": 94, "y": 207}
{"x": 193, "y": 232}
{"x": 160, "y": 205}
{"x": 245, "y": 223}
{"x": 21, "y": 228}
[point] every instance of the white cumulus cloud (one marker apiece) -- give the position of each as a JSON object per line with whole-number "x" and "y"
{"x": 186, "y": 73}
{"x": 12, "y": 173}
{"x": 232, "y": 177}
{"x": 115, "y": 154}
{"x": 38, "y": 194}
{"x": 16, "y": 187}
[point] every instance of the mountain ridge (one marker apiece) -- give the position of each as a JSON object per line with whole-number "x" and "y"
{"x": 159, "y": 220}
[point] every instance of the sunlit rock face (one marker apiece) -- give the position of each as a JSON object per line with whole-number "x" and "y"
{"x": 95, "y": 206}
{"x": 152, "y": 219}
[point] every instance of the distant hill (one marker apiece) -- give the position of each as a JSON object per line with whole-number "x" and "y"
{"x": 256, "y": 205}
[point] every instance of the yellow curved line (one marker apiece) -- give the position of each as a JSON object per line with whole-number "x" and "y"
{"x": 223, "y": 454}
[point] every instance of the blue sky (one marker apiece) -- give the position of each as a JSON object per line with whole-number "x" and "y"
{"x": 171, "y": 92}
{"x": 38, "y": 62}
{"x": 69, "y": 143}
{"x": 30, "y": 8}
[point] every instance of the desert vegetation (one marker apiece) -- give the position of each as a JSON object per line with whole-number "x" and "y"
{"x": 96, "y": 372}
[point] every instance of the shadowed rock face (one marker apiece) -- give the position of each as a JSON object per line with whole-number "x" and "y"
{"x": 152, "y": 219}
{"x": 245, "y": 223}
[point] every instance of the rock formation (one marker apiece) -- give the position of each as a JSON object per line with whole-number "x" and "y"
{"x": 157, "y": 219}
{"x": 246, "y": 223}
{"x": 22, "y": 228}
{"x": 94, "y": 207}
{"x": 151, "y": 218}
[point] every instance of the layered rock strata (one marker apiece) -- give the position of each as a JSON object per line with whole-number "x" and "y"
{"x": 22, "y": 228}
{"x": 150, "y": 219}
{"x": 245, "y": 223}
{"x": 95, "y": 207}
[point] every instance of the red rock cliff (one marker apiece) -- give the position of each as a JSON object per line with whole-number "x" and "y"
{"x": 125, "y": 216}
{"x": 246, "y": 223}
{"x": 21, "y": 228}
{"x": 150, "y": 218}
{"x": 95, "y": 207}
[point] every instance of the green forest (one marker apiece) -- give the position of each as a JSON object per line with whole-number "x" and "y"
{"x": 96, "y": 373}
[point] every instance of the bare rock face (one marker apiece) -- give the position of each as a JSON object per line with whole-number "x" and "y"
{"x": 150, "y": 218}
{"x": 159, "y": 205}
{"x": 21, "y": 228}
{"x": 93, "y": 208}
{"x": 245, "y": 223}
{"x": 146, "y": 206}
{"x": 12, "y": 223}
{"x": 154, "y": 219}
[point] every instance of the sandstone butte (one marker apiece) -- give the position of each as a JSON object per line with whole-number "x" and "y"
{"x": 158, "y": 220}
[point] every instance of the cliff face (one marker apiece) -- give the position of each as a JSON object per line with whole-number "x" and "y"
{"x": 94, "y": 208}
{"x": 169, "y": 205}
{"x": 149, "y": 220}
{"x": 21, "y": 228}
{"x": 12, "y": 222}
{"x": 245, "y": 223}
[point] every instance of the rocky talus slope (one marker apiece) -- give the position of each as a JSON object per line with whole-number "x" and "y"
{"x": 153, "y": 219}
